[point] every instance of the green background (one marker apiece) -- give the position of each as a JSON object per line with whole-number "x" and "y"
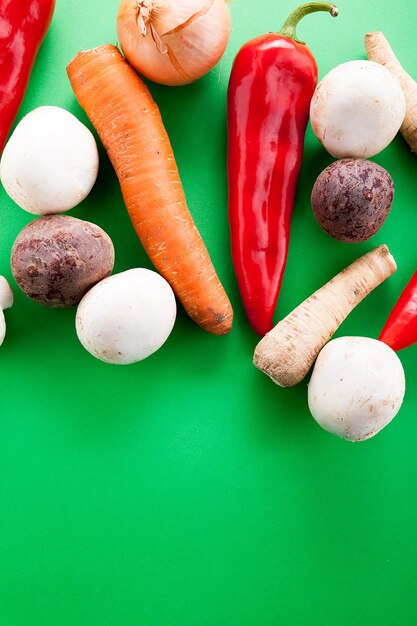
{"x": 188, "y": 490}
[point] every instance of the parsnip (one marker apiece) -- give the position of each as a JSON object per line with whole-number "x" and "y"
{"x": 287, "y": 353}
{"x": 379, "y": 50}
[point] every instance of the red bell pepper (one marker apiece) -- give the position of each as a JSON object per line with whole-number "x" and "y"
{"x": 23, "y": 25}
{"x": 271, "y": 85}
{"x": 400, "y": 330}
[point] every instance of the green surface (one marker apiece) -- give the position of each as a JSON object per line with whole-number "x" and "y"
{"x": 188, "y": 490}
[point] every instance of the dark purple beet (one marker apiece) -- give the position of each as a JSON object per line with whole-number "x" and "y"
{"x": 56, "y": 259}
{"x": 351, "y": 199}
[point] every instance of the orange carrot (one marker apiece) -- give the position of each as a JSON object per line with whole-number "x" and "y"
{"x": 129, "y": 124}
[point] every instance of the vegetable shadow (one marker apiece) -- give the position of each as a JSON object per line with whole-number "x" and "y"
{"x": 285, "y": 416}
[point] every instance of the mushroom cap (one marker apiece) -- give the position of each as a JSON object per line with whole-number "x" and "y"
{"x": 357, "y": 387}
{"x": 50, "y": 162}
{"x": 6, "y": 294}
{"x": 357, "y": 109}
{"x": 127, "y": 317}
{"x": 6, "y": 301}
{"x": 2, "y": 327}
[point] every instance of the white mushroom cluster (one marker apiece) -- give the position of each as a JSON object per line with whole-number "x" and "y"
{"x": 49, "y": 166}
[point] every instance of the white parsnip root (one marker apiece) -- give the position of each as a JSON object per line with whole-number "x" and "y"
{"x": 288, "y": 351}
{"x": 379, "y": 50}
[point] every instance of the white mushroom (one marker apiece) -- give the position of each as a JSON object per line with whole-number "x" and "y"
{"x": 357, "y": 387}
{"x": 50, "y": 162}
{"x": 126, "y": 317}
{"x": 6, "y": 301}
{"x": 357, "y": 109}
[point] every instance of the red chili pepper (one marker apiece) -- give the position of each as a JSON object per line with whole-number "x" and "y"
{"x": 400, "y": 330}
{"x": 23, "y": 25}
{"x": 271, "y": 85}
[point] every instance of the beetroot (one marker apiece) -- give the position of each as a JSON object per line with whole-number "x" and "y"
{"x": 56, "y": 259}
{"x": 352, "y": 198}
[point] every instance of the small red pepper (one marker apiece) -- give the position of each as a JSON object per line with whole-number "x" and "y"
{"x": 23, "y": 26}
{"x": 400, "y": 330}
{"x": 271, "y": 85}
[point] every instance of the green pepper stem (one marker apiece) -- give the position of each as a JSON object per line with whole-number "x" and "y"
{"x": 290, "y": 25}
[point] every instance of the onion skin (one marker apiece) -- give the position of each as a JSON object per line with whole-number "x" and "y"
{"x": 192, "y": 37}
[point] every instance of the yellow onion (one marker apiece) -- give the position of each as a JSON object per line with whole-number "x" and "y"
{"x": 173, "y": 42}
